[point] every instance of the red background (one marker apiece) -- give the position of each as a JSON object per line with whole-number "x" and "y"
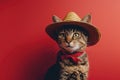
{"x": 26, "y": 51}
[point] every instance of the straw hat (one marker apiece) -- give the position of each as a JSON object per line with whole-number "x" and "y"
{"x": 73, "y": 19}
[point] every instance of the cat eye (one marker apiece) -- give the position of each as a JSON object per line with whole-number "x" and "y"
{"x": 61, "y": 35}
{"x": 76, "y": 35}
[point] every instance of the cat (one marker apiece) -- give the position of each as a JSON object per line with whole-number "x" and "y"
{"x": 72, "y": 61}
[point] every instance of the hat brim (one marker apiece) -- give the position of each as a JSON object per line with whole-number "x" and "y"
{"x": 93, "y": 32}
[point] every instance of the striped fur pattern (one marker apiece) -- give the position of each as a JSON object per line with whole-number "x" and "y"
{"x": 70, "y": 41}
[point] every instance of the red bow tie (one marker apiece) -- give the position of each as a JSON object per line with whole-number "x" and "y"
{"x": 74, "y": 56}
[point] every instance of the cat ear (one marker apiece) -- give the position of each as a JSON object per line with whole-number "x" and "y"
{"x": 87, "y": 18}
{"x": 56, "y": 19}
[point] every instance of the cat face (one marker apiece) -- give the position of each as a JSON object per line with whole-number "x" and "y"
{"x": 71, "y": 40}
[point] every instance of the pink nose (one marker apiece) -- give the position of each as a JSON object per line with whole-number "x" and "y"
{"x": 68, "y": 39}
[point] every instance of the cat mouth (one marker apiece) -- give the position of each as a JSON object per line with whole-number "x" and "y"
{"x": 69, "y": 46}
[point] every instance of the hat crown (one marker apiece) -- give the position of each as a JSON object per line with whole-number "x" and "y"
{"x": 72, "y": 16}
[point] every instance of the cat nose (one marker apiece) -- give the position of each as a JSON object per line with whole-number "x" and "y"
{"x": 68, "y": 40}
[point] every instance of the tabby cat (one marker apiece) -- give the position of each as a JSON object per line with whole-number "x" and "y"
{"x": 72, "y": 62}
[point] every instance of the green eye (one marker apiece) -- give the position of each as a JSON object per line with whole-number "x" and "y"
{"x": 61, "y": 35}
{"x": 76, "y": 35}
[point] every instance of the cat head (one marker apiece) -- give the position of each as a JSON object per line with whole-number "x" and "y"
{"x": 58, "y": 26}
{"x": 71, "y": 38}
